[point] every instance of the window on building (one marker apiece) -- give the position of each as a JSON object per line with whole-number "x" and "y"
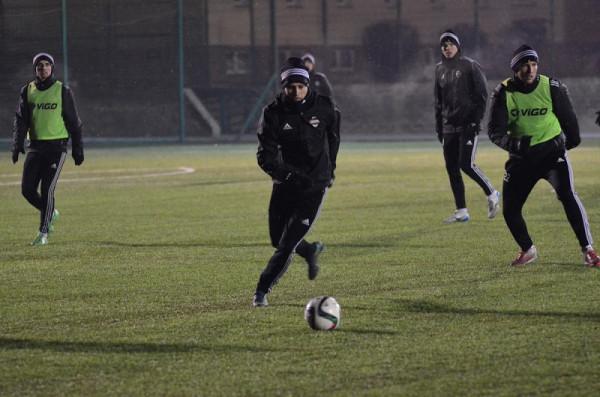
{"x": 236, "y": 63}
{"x": 285, "y": 53}
{"x": 523, "y": 3}
{"x": 343, "y": 60}
{"x": 429, "y": 56}
{"x": 343, "y": 3}
{"x": 293, "y": 3}
{"x": 438, "y": 5}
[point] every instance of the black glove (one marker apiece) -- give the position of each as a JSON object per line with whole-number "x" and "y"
{"x": 473, "y": 128}
{"x": 598, "y": 118}
{"x": 332, "y": 180}
{"x": 519, "y": 146}
{"x": 440, "y": 137}
{"x": 561, "y": 143}
{"x": 513, "y": 144}
{"x": 298, "y": 179}
{"x": 525, "y": 143}
{"x": 77, "y": 155}
{"x": 15, "y": 153}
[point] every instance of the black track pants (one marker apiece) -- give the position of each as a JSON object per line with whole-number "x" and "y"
{"x": 292, "y": 214}
{"x": 41, "y": 171}
{"x": 459, "y": 154}
{"x": 520, "y": 178}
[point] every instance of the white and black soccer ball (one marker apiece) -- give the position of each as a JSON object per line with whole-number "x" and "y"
{"x": 323, "y": 313}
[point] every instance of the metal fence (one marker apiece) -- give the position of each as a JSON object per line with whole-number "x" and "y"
{"x": 183, "y": 70}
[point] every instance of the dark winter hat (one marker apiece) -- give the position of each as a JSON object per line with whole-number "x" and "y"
{"x": 523, "y": 54}
{"x": 294, "y": 71}
{"x": 42, "y": 56}
{"x": 449, "y": 35}
{"x": 309, "y": 57}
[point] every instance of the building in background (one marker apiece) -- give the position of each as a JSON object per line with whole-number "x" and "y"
{"x": 355, "y": 39}
{"x": 123, "y": 55}
{"x": 232, "y": 41}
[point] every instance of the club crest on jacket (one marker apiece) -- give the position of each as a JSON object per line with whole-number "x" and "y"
{"x": 314, "y": 121}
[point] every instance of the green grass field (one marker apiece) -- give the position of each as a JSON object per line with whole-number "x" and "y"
{"x": 146, "y": 286}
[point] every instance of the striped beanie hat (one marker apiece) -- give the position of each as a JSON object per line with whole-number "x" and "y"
{"x": 294, "y": 71}
{"x": 309, "y": 57}
{"x": 449, "y": 35}
{"x": 43, "y": 56}
{"x": 523, "y": 54}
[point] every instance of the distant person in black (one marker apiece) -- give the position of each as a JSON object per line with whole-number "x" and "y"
{"x": 318, "y": 81}
{"x": 298, "y": 144}
{"x": 46, "y": 113}
{"x": 598, "y": 118}
{"x": 460, "y": 97}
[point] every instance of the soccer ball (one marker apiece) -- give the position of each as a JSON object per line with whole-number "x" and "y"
{"x": 322, "y": 313}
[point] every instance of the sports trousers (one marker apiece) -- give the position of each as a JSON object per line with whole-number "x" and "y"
{"x": 459, "y": 154}
{"x": 41, "y": 171}
{"x": 519, "y": 179}
{"x": 292, "y": 214}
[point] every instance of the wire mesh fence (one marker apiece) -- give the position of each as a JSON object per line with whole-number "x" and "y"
{"x": 199, "y": 69}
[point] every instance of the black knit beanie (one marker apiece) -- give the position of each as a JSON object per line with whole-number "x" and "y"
{"x": 42, "y": 56}
{"x": 294, "y": 71}
{"x": 521, "y": 55}
{"x": 449, "y": 35}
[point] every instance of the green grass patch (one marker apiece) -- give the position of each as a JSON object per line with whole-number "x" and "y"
{"x": 146, "y": 285}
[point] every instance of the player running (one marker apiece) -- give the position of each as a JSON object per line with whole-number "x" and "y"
{"x": 298, "y": 144}
{"x": 533, "y": 119}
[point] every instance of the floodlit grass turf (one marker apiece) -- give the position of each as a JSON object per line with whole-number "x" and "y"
{"x": 145, "y": 288}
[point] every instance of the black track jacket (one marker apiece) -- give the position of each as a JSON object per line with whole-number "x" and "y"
{"x": 298, "y": 142}
{"x": 561, "y": 105}
{"x": 22, "y": 122}
{"x": 460, "y": 94}
{"x": 320, "y": 84}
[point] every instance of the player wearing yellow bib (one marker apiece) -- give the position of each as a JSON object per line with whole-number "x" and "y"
{"x": 46, "y": 113}
{"x": 533, "y": 119}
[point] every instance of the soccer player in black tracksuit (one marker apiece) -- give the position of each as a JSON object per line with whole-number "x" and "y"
{"x": 460, "y": 97}
{"x": 298, "y": 144}
{"x": 46, "y": 113}
{"x": 533, "y": 119}
{"x": 319, "y": 82}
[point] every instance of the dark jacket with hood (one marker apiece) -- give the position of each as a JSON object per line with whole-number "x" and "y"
{"x": 298, "y": 142}
{"x": 320, "y": 84}
{"x": 460, "y": 95}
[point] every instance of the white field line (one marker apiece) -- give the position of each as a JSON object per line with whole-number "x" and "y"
{"x": 111, "y": 171}
{"x": 178, "y": 171}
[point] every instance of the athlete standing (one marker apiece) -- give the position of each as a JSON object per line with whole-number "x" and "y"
{"x": 460, "y": 96}
{"x": 318, "y": 81}
{"x": 45, "y": 113}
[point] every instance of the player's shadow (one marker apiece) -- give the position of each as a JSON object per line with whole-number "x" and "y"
{"x": 361, "y": 245}
{"x": 421, "y": 306}
{"x": 125, "y": 347}
{"x": 365, "y": 331}
{"x": 222, "y": 183}
{"x": 349, "y": 329}
{"x": 188, "y": 244}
